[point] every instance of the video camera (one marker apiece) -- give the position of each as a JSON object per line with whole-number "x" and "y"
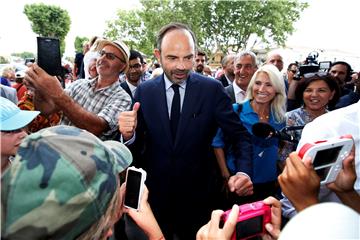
{"x": 312, "y": 65}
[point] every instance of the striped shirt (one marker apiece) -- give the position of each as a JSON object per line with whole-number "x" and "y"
{"x": 106, "y": 102}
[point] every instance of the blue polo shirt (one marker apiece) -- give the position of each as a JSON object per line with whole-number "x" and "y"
{"x": 265, "y": 151}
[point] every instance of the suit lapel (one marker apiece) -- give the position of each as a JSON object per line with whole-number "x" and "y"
{"x": 160, "y": 95}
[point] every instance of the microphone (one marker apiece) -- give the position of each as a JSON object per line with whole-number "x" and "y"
{"x": 266, "y": 131}
{"x": 292, "y": 128}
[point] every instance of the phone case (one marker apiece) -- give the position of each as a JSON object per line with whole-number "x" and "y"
{"x": 48, "y": 55}
{"x": 142, "y": 185}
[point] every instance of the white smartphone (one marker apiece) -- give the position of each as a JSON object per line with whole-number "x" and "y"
{"x": 327, "y": 157}
{"x": 135, "y": 182}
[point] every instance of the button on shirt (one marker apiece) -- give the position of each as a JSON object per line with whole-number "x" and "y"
{"x": 170, "y": 93}
{"x": 239, "y": 93}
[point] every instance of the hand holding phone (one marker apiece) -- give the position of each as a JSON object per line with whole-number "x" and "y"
{"x": 327, "y": 157}
{"x": 135, "y": 182}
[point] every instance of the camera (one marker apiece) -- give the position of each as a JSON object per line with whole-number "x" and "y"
{"x": 311, "y": 65}
{"x": 251, "y": 220}
{"x": 327, "y": 156}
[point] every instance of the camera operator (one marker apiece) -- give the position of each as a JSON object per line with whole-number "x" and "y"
{"x": 352, "y": 96}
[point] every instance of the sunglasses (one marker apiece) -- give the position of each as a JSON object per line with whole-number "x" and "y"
{"x": 316, "y": 74}
{"x": 13, "y": 131}
{"x": 110, "y": 56}
{"x": 293, "y": 71}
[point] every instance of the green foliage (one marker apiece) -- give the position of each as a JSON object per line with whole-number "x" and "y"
{"x": 49, "y": 21}
{"x": 79, "y": 43}
{"x": 218, "y": 25}
{"x": 24, "y": 55}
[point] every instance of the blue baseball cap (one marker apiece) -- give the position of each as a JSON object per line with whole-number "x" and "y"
{"x": 12, "y": 117}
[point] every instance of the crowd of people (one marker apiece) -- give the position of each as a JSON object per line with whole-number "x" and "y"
{"x": 191, "y": 130}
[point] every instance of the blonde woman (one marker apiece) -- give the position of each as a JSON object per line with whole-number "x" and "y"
{"x": 265, "y": 102}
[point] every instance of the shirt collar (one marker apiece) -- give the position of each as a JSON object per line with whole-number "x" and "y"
{"x": 237, "y": 89}
{"x": 168, "y": 83}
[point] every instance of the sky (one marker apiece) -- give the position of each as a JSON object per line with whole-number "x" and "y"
{"x": 327, "y": 26}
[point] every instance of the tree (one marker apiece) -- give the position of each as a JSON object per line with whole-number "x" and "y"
{"x": 218, "y": 25}
{"x": 49, "y": 21}
{"x": 79, "y": 43}
{"x": 24, "y": 55}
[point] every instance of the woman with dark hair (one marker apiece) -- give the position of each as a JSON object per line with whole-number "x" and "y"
{"x": 318, "y": 92}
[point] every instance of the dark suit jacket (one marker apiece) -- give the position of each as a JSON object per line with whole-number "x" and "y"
{"x": 230, "y": 91}
{"x": 181, "y": 173}
{"x": 223, "y": 80}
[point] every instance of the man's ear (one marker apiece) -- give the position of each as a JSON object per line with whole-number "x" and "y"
{"x": 157, "y": 54}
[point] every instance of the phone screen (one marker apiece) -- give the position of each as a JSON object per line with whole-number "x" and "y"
{"x": 327, "y": 156}
{"x": 133, "y": 184}
{"x": 249, "y": 227}
{"x": 48, "y": 55}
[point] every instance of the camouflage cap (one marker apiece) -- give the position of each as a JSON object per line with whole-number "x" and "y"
{"x": 60, "y": 183}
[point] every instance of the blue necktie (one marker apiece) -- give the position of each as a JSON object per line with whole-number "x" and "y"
{"x": 175, "y": 110}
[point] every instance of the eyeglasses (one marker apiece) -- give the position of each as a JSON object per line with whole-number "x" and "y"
{"x": 135, "y": 66}
{"x": 316, "y": 74}
{"x": 293, "y": 71}
{"x": 13, "y": 131}
{"x": 110, "y": 56}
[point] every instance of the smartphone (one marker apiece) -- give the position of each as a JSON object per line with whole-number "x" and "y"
{"x": 48, "y": 55}
{"x": 327, "y": 157}
{"x": 135, "y": 183}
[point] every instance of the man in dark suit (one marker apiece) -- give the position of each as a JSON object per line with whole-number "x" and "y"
{"x": 179, "y": 113}
{"x": 244, "y": 68}
{"x": 134, "y": 73}
{"x": 227, "y": 64}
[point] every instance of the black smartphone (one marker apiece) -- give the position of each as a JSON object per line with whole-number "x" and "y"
{"x": 48, "y": 55}
{"x": 135, "y": 179}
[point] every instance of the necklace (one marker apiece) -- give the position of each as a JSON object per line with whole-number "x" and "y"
{"x": 266, "y": 117}
{"x": 262, "y": 116}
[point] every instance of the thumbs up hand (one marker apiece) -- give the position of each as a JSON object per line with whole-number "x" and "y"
{"x": 127, "y": 121}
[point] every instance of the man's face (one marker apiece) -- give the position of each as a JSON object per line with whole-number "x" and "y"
{"x": 291, "y": 72}
{"x": 199, "y": 63}
{"x": 244, "y": 70}
{"x": 176, "y": 55}
{"x": 276, "y": 60}
{"x": 229, "y": 68}
{"x": 111, "y": 63}
{"x": 135, "y": 71}
{"x": 339, "y": 72}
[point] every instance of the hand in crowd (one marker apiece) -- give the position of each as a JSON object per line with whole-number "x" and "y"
{"x": 212, "y": 230}
{"x": 344, "y": 183}
{"x": 299, "y": 182}
{"x": 128, "y": 121}
{"x": 144, "y": 218}
{"x": 273, "y": 228}
{"x": 241, "y": 185}
{"x": 346, "y": 178}
{"x": 41, "y": 82}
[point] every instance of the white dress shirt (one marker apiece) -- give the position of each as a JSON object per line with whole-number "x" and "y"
{"x": 239, "y": 93}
